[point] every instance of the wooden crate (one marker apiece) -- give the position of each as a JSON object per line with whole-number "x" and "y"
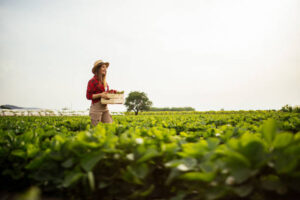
{"x": 115, "y": 96}
{"x": 113, "y": 99}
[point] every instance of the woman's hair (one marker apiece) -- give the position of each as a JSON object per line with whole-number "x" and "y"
{"x": 102, "y": 78}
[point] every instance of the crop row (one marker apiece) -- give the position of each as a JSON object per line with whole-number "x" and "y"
{"x": 248, "y": 155}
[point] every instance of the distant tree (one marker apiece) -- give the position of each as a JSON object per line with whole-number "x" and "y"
{"x": 288, "y": 108}
{"x": 137, "y": 101}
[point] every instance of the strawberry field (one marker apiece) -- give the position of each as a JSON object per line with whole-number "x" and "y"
{"x": 251, "y": 155}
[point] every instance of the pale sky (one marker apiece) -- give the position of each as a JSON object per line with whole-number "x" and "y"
{"x": 207, "y": 54}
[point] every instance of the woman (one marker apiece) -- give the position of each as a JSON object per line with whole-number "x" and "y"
{"x": 95, "y": 91}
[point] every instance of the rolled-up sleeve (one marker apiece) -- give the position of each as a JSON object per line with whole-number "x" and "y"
{"x": 90, "y": 90}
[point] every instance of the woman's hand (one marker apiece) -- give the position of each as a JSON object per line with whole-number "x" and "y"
{"x": 100, "y": 95}
{"x": 104, "y": 95}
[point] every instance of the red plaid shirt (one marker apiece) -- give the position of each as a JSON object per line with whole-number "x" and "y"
{"x": 94, "y": 87}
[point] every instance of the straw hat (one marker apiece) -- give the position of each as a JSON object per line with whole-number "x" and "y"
{"x": 97, "y": 64}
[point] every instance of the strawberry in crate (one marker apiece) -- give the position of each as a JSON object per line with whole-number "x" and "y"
{"x": 115, "y": 92}
{"x": 112, "y": 91}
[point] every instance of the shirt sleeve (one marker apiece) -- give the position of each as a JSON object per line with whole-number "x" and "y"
{"x": 90, "y": 90}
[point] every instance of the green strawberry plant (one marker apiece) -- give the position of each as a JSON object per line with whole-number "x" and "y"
{"x": 156, "y": 155}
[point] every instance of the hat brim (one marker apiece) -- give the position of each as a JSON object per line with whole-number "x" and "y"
{"x": 98, "y": 65}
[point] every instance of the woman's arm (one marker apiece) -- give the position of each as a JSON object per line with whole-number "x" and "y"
{"x": 91, "y": 90}
{"x": 103, "y": 95}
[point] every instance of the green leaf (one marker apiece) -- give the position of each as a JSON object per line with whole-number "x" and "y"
{"x": 269, "y": 130}
{"x": 71, "y": 178}
{"x": 169, "y": 147}
{"x": 194, "y": 149}
{"x": 241, "y": 174}
{"x": 179, "y": 196}
{"x": 136, "y": 173}
{"x": 212, "y": 143}
{"x": 243, "y": 191}
{"x": 182, "y": 164}
{"x": 233, "y": 143}
{"x": 173, "y": 174}
{"x": 19, "y": 153}
{"x": 237, "y": 159}
{"x": 32, "y": 150}
{"x": 39, "y": 160}
{"x": 282, "y": 140}
{"x": 143, "y": 193}
{"x": 255, "y": 152}
{"x": 285, "y": 163}
{"x": 270, "y": 182}
{"x": 198, "y": 176}
{"x": 33, "y": 193}
{"x": 68, "y": 163}
{"x": 149, "y": 154}
{"x": 214, "y": 193}
{"x": 90, "y": 160}
{"x": 103, "y": 185}
{"x": 91, "y": 179}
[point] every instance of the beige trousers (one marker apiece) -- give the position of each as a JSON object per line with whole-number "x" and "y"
{"x": 100, "y": 113}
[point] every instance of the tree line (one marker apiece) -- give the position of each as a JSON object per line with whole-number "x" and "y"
{"x": 138, "y": 101}
{"x": 172, "y": 109}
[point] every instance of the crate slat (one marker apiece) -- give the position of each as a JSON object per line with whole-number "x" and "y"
{"x": 115, "y": 96}
{"x": 113, "y": 99}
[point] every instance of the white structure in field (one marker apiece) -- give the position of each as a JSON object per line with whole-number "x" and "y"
{"x": 44, "y": 112}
